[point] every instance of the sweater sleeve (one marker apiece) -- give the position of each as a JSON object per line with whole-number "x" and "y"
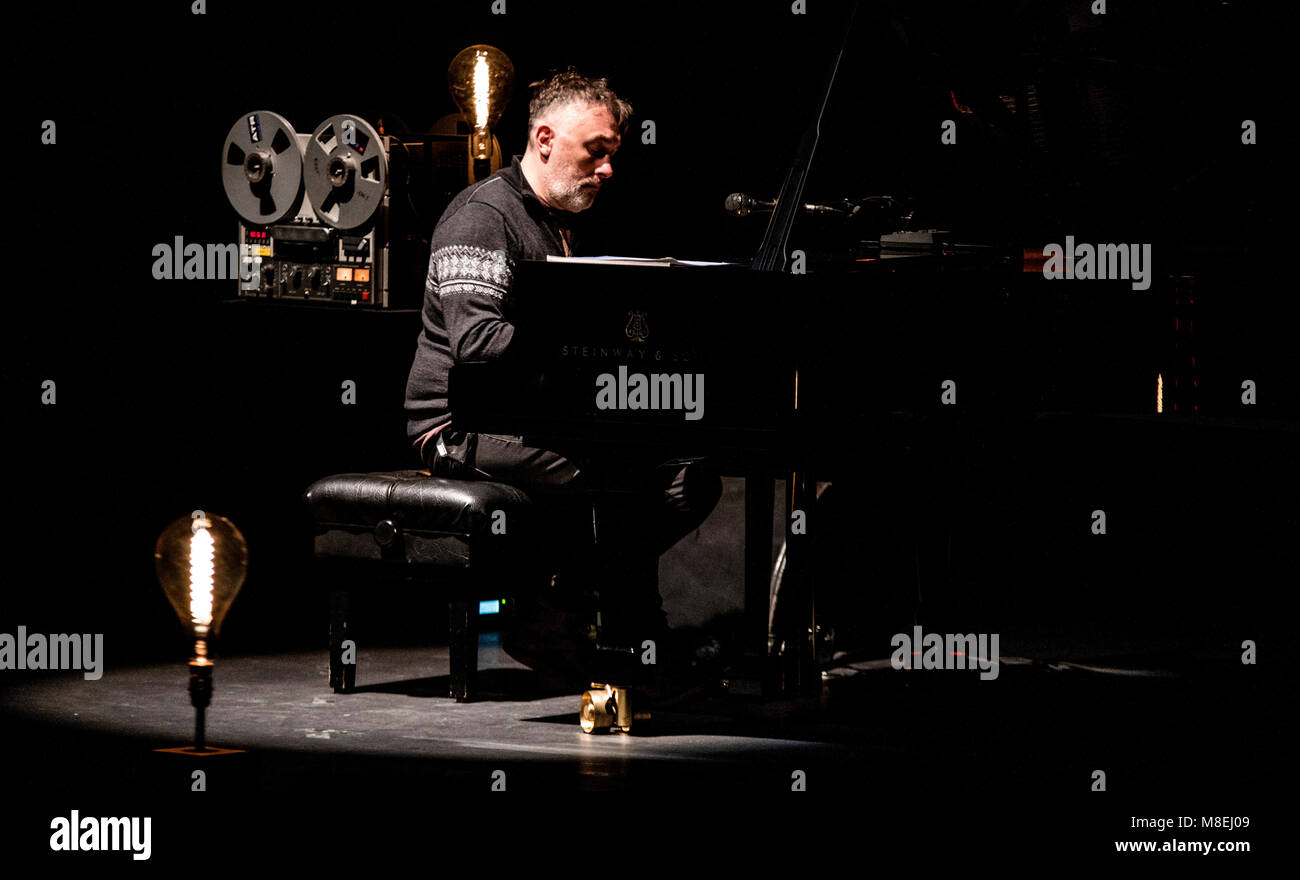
{"x": 471, "y": 269}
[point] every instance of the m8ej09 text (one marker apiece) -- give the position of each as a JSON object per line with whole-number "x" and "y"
{"x": 1160, "y": 823}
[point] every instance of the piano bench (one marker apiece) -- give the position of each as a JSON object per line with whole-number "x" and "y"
{"x": 468, "y": 539}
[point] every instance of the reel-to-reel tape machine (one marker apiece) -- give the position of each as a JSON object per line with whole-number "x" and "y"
{"x": 315, "y": 220}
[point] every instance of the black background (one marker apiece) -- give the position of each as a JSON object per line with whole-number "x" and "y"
{"x": 170, "y": 400}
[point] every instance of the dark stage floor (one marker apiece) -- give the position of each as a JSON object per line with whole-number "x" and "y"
{"x": 928, "y": 753}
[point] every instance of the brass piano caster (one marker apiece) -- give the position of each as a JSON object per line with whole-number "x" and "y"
{"x": 607, "y": 707}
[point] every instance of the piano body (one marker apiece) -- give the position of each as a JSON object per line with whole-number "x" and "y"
{"x": 795, "y": 378}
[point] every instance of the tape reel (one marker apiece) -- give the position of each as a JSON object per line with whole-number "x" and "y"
{"x": 261, "y": 168}
{"x": 345, "y": 171}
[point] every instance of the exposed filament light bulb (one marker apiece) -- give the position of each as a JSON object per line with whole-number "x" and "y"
{"x": 481, "y": 79}
{"x": 201, "y": 560}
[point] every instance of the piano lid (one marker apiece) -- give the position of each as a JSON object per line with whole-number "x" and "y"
{"x": 771, "y": 256}
{"x": 874, "y": 157}
{"x": 872, "y": 164}
{"x": 1057, "y": 122}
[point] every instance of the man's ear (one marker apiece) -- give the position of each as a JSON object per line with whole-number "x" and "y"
{"x": 544, "y": 138}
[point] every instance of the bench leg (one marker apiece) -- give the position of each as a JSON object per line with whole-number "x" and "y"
{"x": 464, "y": 650}
{"x": 343, "y": 677}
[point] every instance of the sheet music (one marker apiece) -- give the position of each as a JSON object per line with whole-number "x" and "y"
{"x": 633, "y": 261}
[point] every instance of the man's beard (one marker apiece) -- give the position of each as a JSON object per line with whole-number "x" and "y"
{"x": 573, "y": 197}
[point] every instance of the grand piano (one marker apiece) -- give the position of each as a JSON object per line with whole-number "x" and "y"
{"x": 854, "y": 338}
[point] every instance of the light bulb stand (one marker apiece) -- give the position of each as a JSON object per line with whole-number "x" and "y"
{"x": 480, "y": 150}
{"x": 200, "y": 696}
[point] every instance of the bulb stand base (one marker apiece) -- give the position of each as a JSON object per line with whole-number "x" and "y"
{"x": 200, "y": 696}
{"x": 206, "y": 752}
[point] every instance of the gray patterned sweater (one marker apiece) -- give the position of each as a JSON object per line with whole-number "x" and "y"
{"x": 485, "y": 231}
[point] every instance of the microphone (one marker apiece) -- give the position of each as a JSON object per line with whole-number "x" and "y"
{"x": 742, "y": 205}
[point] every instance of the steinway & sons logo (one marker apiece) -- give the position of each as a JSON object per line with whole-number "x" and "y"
{"x": 638, "y": 328}
{"x": 636, "y": 331}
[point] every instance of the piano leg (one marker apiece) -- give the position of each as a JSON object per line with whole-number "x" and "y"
{"x": 795, "y": 667}
{"x": 760, "y": 489}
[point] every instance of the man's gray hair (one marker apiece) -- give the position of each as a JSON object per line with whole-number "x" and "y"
{"x": 570, "y": 86}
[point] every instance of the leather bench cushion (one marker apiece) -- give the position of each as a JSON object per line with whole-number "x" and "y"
{"x": 414, "y": 502}
{"x": 437, "y": 521}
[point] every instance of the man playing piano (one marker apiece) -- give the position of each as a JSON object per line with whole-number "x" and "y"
{"x": 520, "y": 213}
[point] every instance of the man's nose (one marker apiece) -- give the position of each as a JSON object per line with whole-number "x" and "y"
{"x": 605, "y": 169}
